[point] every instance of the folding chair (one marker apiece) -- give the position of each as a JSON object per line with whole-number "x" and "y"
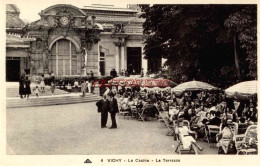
{"x": 242, "y": 140}
{"x": 134, "y": 113}
{"x": 141, "y": 114}
{"x": 180, "y": 149}
{"x": 123, "y": 111}
{"x": 165, "y": 117}
{"x": 210, "y": 133}
{"x": 242, "y": 127}
{"x": 225, "y": 143}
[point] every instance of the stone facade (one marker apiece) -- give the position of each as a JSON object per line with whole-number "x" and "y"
{"x": 74, "y": 41}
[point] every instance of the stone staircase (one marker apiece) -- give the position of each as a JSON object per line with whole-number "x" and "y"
{"x": 51, "y": 100}
{"x": 14, "y": 92}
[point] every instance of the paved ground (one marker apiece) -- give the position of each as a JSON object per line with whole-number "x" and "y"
{"x": 75, "y": 129}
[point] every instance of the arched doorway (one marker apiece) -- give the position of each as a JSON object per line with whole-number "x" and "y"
{"x": 64, "y": 58}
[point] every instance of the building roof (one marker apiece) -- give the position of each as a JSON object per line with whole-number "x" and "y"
{"x": 12, "y": 17}
{"x": 12, "y": 8}
{"x": 15, "y": 40}
{"x": 100, "y": 18}
{"x": 98, "y": 7}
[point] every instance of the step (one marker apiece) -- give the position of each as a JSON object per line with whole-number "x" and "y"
{"x": 14, "y": 92}
{"x": 32, "y": 102}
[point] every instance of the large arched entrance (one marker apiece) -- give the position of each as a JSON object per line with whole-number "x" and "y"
{"x": 64, "y": 58}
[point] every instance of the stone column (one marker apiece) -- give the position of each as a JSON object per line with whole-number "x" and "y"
{"x": 98, "y": 47}
{"x": 117, "y": 59}
{"x": 122, "y": 57}
{"x": 144, "y": 62}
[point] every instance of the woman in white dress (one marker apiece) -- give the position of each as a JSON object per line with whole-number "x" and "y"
{"x": 42, "y": 84}
{"x": 184, "y": 135}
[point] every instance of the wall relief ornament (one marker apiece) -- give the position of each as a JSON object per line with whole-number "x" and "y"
{"x": 64, "y": 18}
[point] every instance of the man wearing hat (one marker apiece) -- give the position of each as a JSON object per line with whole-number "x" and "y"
{"x": 103, "y": 107}
{"x": 113, "y": 109}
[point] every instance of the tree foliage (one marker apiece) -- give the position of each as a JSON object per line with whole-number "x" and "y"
{"x": 198, "y": 41}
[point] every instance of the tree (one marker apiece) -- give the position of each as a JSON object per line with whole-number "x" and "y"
{"x": 196, "y": 40}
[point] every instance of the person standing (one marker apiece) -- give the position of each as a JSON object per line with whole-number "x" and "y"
{"x": 42, "y": 84}
{"x": 27, "y": 83}
{"x": 76, "y": 86}
{"x": 148, "y": 73}
{"x": 142, "y": 72}
{"x": 52, "y": 77}
{"x": 113, "y": 73}
{"x": 103, "y": 106}
{"x": 83, "y": 88}
{"x": 37, "y": 91}
{"x": 52, "y": 88}
{"x": 113, "y": 109}
{"x": 90, "y": 86}
{"x": 92, "y": 79}
{"x": 21, "y": 87}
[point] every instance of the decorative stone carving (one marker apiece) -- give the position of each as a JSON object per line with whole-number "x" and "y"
{"x": 119, "y": 28}
{"x": 64, "y": 18}
{"x": 46, "y": 58}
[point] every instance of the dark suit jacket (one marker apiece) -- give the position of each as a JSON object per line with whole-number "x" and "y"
{"x": 103, "y": 106}
{"x": 215, "y": 121}
{"x": 113, "y": 107}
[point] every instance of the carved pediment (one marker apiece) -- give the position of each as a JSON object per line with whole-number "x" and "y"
{"x": 63, "y": 15}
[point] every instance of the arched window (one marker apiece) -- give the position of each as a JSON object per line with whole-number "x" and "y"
{"x": 64, "y": 58}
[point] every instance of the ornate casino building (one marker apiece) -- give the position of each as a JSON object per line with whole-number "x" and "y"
{"x": 68, "y": 40}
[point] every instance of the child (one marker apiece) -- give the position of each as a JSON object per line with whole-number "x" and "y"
{"x": 52, "y": 88}
{"x": 76, "y": 85}
{"x": 83, "y": 88}
{"x": 37, "y": 91}
{"x": 69, "y": 87}
{"x": 42, "y": 84}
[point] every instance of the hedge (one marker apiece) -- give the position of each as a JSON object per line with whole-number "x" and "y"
{"x": 71, "y": 79}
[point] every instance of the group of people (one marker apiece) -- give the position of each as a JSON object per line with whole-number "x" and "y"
{"x": 130, "y": 71}
{"x": 108, "y": 104}
{"x": 200, "y": 108}
{"x": 24, "y": 87}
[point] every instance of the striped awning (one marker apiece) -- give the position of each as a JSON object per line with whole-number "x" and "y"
{"x": 193, "y": 86}
{"x": 246, "y": 88}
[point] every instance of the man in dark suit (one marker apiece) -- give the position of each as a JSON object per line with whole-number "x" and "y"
{"x": 215, "y": 120}
{"x": 113, "y": 109}
{"x": 103, "y": 107}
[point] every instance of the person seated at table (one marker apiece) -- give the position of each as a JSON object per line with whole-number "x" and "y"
{"x": 130, "y": 101}
{"x": 152, "y": 98}
{"x": 201, "y": 114}
{"x": 173, "y": 112}
{"x": 189, "y": 114}
{"x": 251, "y": 114}
{"x": 139, "y": 103}
{"x": 226, "y": 134}
{"x": 185, "y": 137}
{"x": 206, "y": 118}
{"x": 214, "y": 119}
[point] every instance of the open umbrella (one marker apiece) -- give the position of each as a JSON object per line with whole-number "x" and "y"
{"x": 193, "y": 86}
{"x": 241, "y": 90}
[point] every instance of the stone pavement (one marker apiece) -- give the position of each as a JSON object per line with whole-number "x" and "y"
{"x": 75, "y": 129}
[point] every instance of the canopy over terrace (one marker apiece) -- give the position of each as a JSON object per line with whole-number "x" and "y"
{"x": 193, "y": 86}
{"x": 243, "y": 90}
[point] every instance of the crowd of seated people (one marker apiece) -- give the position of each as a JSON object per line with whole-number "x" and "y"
{"x": 200, "y": 108}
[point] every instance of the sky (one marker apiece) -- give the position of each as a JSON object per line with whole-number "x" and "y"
{"x": 29, "y": 9}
